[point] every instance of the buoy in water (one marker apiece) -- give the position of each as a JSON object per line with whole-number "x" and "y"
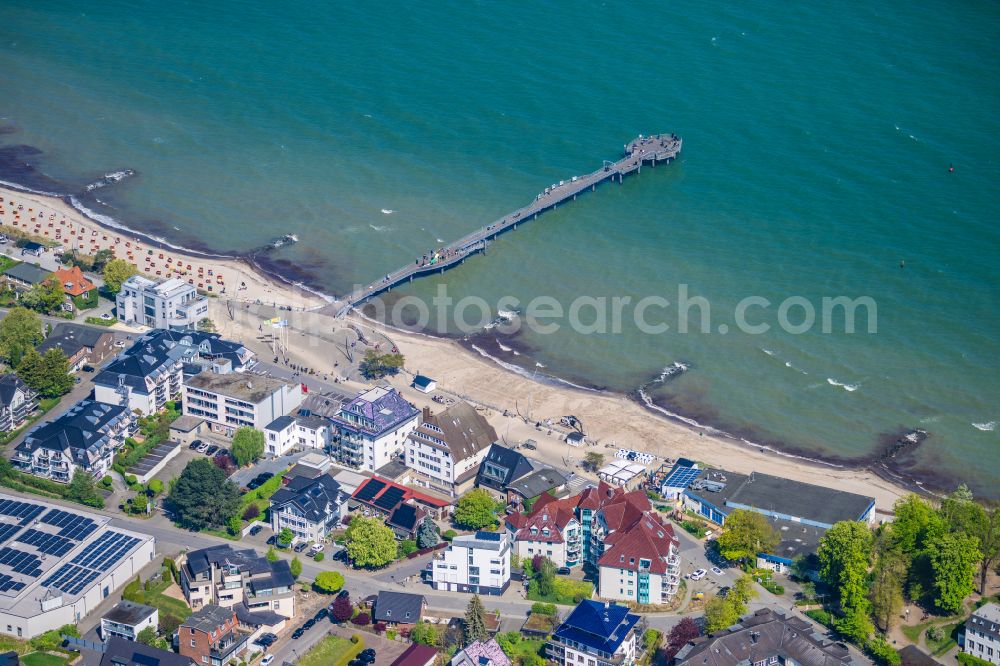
{"x": 902, "y": 264}
{"x": 951, "y": 169}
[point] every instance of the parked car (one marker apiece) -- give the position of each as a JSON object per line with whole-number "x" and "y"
{"x": 698, "y": 574}
{"x": 106, "y": 317}
{"x": 255, "y": 530}
{"x": 315, "y": 548}
{"x": 717, "y": 571}
{"x": 564, "y": 571}
{"x": 529, "y": 446}
{"x": 254, "y": 484}
{"x": 309, "y": 624}
{"x": 300, "y": 547}
{"x": 202, "y": 447}
{"x": 321, "y": 614}
{"x": 297, "y": 634}
{"x": 367, "y": 655}
{"x": 211, "y": 451}
{"x": 266, "y": 661}
{"x": 342, "y": 594}
{"x": 88, "y": 368}
{"x": 195, "y": 444}
{"x": 272, "y": 540}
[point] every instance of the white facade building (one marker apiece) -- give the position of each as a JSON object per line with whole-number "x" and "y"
{"x": 232, "y": 401}
{"x": 477, "y": 563}
{"x": 171, "y": 303}
{"x": 982, "y": 634}
{"x": 127, "y": 619}
{"x": 371, "y": 429}
{"x": 446, "y": 449}
{"x": 286, "y": 433}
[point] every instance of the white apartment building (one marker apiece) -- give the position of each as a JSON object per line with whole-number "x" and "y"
{"x": 310, "y": 507}
{"x": 982, "y": 634}
{"x": 286, "y": 433}
{"x": 595, "y": 633}
{"x": 551, "y": 531}
{"x": 477, "y": 563}
{"x": 170, "y": 303}
{"x": 144, "y": 378}
{"x": 232, "y": 401}
{"x": 126, "y": 619}
{"x": 370, "y": 430}
{"x": 446, "y": 449}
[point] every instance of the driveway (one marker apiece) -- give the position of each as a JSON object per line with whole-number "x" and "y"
{"x": 273, "y": 465}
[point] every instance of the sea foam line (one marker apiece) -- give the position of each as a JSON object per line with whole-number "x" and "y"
{"x": 847, "y": 387}
{"x": 989, "y": 426}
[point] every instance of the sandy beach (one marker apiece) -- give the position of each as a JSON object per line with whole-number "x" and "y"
{"x": 231, "y": 278}
{"x": 317, "y": 341}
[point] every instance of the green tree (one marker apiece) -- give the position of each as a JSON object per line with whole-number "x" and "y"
{"x": 286, "y": 536}
{"x": 377, "y": 366}
{"x": 887, "y": 586}
{"x": 965, "y": 516}
{"x": 746, "y": 534}
{"x": 117, "y": 271}
{"x": 83, "y": 490}
{"x": 202, "y": 497}
{"x": 545, "y": 575}
{"x": 719, "y": 614}
{"x": 742, "y": 593}
{"x": 20, "y": 331}
{"x": 272, "y": 554}
{"x": 475, "y": 621}
{"x": 248, "y": 445}
{"x": 953, "y": 559}
{"x": 844, "y": 553}
{"x": 205, "y": 325}
{"x": 427, "y": 534}
{"x": 47, "y": 373}
{"x": 915, "y": 524}
{"x": 46, "y": 296}
{"x": 329, "y": 582}
{"x": 101, "y": 259}
{"x": 295, "y": 567}
{"x": 425, "y": 633}
{"x": 147, "y": 636}
{"x": 593, "y": 460}
{"x": 369, "y": 542}
{"x": 476, "y": 510}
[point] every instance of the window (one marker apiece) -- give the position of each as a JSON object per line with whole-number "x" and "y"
{"x": 192, "y": 642}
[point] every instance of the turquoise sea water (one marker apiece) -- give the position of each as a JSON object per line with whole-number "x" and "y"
{"x": 817, "y": 140}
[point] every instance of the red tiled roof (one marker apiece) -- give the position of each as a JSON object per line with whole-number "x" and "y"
{"x": 73, "y": 281}
{"x": 555, "y": 520}
{"x": 648, "y": 539}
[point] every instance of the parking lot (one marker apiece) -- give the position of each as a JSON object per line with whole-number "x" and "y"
{"x": 273, "y": 465}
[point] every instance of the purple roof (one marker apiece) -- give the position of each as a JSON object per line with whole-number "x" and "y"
{"x": 376, "y": 411}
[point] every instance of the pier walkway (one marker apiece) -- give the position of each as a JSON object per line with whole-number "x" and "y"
{"x": 642, "y": 150}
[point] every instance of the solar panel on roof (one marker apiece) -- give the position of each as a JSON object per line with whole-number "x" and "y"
{"x": 370, "y": 490}
{"x": 21, "y": 562}
{"x": 23, "y": 510}
{"x": 106, "y": 551}
{"x": 681, "y": 477}
{"x": 390, "y": 498}
{"x": 7, "y": 530}
{"x": 72, "y": 526}
{"x": 50, "y": 544}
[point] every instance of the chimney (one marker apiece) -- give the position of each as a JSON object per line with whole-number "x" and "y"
{"x": 427, "y": 414}
{"x": 753, "y": 637}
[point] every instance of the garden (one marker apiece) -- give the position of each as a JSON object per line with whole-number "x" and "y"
{"x": 333, "y": 651}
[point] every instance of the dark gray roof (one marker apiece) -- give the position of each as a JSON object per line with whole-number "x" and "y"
{"x": 986, "y": 619}
{"x": 280, "y": 423}
{"x": 204, "y": 346}
{"x": 148, "y": 357}
{"x": 802, "y": 500}
{"x": 29, "y": 273}
{"x": 392, "y": 470}
{"x": 797, "y": 538}
{"x": 9, "y": 385}
{"x": 122, "y": 651}
{"x": 911, "y": 655}
{"x": 511, "y": 464}
{"x": 260, "y": 618}
{"x": 208, "y": 618}
{"x": 762, "y": 635}
{"x": 315, "y": 497}
{"x": 405, "y": 517}
{"x": 399, "y": 607}
{"x": 247, "y": 560}
{"x": 324, "y": 405}
{"x": 422, "y": 381}
{"x": 537, "y": 482}
{"x": 128, "y": 612}
{"x": 281, "y": 576}
{"x": 312, "y": 421}
{"x": 81, "y": 430}
{"x": 71, "y": 338}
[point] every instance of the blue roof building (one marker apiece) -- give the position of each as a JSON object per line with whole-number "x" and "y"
{"x": 595, "y": 631}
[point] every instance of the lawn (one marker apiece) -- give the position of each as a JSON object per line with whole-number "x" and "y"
{"x": 949, "y": 631}
{"x": 42, "y": 659}
{"x": 6, "y": 262}
{"x": 332, "y": 651}
{"x": 565, "y": 591}
{"x": 155, "y": 597}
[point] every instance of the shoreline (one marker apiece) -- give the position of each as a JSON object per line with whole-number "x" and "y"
{"x": 654, "y": 429}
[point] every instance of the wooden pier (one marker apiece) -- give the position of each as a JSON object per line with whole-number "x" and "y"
{"x": 642, "y": 150}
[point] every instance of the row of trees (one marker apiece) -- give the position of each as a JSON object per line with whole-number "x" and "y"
{"x": 48, "y": 374}
{"x": 928, "y": 555}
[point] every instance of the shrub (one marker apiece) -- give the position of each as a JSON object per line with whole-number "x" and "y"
{"x": 407, "y": 546}
{"x": 449, "y": 535}
{"x": 356, "y": 638}
{"x": 542, "y": 608}
{"x": 319, "y": 556}
{"x": 881, "y": 652}
{"x": 252, "y": 511}
{"x": 106, "y": 481}
{"x": 362, "y": 619}
{"x": 822, "y": 616}
{"x": 935, "y": 634}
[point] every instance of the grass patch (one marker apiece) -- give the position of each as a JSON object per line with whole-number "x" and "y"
{"x": 824, "y": 617}
{"x": 154, "y": 597}
{"x": 86, "y": 302}
{"x": 42, "y": 659}
{"x": 97, "y": 321}
{"x": 947, "y": 642}
{"x": 332, "y": 651}
{"x": 7, "y": 262}
{"x": 565, "y": 591}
